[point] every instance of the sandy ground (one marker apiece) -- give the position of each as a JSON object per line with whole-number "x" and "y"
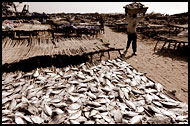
{"x": 167, "y": 69}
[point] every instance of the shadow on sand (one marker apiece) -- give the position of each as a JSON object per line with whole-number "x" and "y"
{"x": 128, "y": 57}
{"x": 173, "y": 54}
{"x": 58, "y": 61}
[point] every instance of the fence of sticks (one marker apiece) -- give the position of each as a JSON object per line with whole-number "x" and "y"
{"x": 16, "y": 50}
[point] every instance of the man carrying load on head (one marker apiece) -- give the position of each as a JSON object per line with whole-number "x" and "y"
{"x": 132, "y": 21}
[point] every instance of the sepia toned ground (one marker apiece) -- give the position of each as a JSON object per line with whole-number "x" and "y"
{"x": 168, "y": 69}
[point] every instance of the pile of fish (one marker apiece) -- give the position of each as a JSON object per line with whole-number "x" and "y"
{"x": 110, "y": 92}
{"x": 135, "y": 5}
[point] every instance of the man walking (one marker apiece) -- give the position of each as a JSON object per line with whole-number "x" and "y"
{"x": 132, "y": 21}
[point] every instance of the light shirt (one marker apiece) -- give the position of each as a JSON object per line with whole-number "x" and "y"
{"x": 132, "y": 23}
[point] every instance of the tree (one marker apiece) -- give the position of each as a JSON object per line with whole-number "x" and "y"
{"x": 6, "y": 6}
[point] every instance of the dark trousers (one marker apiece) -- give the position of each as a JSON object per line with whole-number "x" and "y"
{"x": 132, "y": 37}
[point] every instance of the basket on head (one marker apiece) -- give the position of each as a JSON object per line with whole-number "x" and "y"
{"x": 135, "y": 8}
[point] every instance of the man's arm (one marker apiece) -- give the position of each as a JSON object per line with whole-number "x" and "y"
{"x": 140, "y": 18}
{"x": 127, "y": 18}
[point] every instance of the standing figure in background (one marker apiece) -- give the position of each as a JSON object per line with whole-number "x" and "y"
{"x": 131, "y": 31}
{"x": 101, "y": 21}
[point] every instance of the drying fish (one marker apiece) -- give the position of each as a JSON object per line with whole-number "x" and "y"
{"x": 136, "y": 119}
{"x": 114, "y": 81}
{"x": 158, "y": 87}
{"x": 140, "y": 109}
{"x": 73, "y": 82}
{"x": 87, "y": 114}
{"x": 101, "y": 100}
{"x": 97, "y": 116}
{"x": 74, "y": 122}
{"x": 144, "y": 79}
{"x": 133, "y": 83}
{"x": 36, "y": 73}
{"x": 154, "y": 97}
{"x": 89, "y": 122}
{"x": 122, "y": 106}
{"x": 181, "y": 118}
{"x": 19, "y": 120}
{"x": 58, "y": 111}
{"x": 47, "y": 110}
{"x": 124, "y": 121}
{"x": 121, "y": 94}
{"x": 93, "y": 113}
{"x": 91, "y": 95}
{"x": 74, "y": 106}
{"x": 88, "y": 79}
{"x": 74, "y": 99}
{"x": 81, "y": 119}
{"x": 75, "y": 115}
{"x": 108, "y": 93}
{"x": 93, "y": 89}
{"x": 137, "y": 92}
{"x": 105, "y": 117}
{"x": 13, "y": 104}
{"x": 27, "y": 118}
{"x": 130, "y": 104}
{"x": 81, "y": 76}
{"x": 108, "y": 76}
{"x": 55, "y": 100}
{"x": 109, "y": 84}
{"x": 129, "y": 71}
{"x": 149, "y": 84}
{"x": 129, "y": 113}
{"x": 37, "y": 119}
{"x": 137, "y": 78}
{"x": 106, "y": 88}
{"x": 6, "y": 112}
{"x": 148, "y": 99}
{"x": 154, "y": 109}
{"x": 157, "y": 103}
{"x": 125, "y": 92}
{"x": 118, "y": 116}
{"x": 169, "y": 104}
{"x": 148, "y": 91}
{"x": 82, "y": 90}
{"x": 28, "y": 74}
{"x": 71, "y": 111}
{"x": 94, "y": 104}
{"x": 66, "y": 76}
{"x": 71, "y": 89}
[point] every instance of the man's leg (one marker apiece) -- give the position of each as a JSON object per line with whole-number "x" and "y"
{"x": 128, "y": 44}
{"x": 134, "y": 44}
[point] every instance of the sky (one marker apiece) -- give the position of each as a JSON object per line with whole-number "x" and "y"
{"x": 102, "y": 7}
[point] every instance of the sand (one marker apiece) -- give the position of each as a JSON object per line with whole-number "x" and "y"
{"x": 168, "y": 69}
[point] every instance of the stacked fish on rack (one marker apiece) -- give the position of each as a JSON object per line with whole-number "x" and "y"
{"x": 105, "y": 93}
{"x": 135, "y": 5}
{"x": 135, "y": 8}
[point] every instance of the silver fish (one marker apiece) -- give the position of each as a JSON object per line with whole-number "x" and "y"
{"x": 74, "y": 106}
{"x": 13, "y": 105}
{"x": 19, "y": 120}
{"x": 74, "y": 122}
{"x": 130, "y": 104}
{"x": 136, "y": 119}
{"x": 118, "y": 116}
{"x": 37, "y": 119}
{"x": 129, "y": 113}
{"x": 93, "y": 113}
{"x": 47, "y": 110}
{"x": 159, "y": 87}
{"x": 91, "y": 95}
{"x": 75, "y": 115}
